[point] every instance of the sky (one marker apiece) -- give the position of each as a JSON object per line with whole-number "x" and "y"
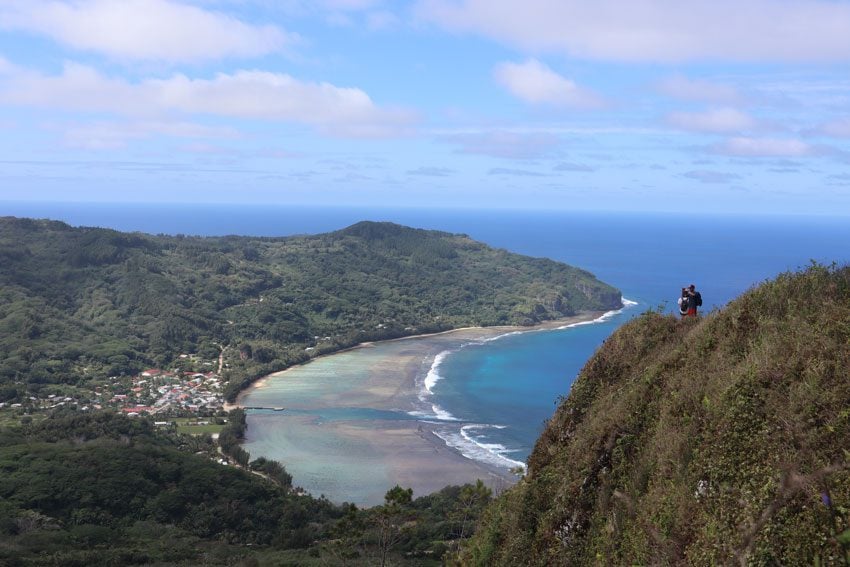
{"x": 629, "y": 105}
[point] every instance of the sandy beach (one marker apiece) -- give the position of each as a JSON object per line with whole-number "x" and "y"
{"x": 392, "y": 381}
{"x": 346, "y": 431}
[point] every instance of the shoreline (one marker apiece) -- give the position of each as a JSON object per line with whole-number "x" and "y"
{"x": 362, "y": 404}
{"x": 357, "y": 461}
{"x": 493, "y": 332}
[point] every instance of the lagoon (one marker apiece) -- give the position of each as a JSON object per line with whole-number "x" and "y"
{"x": 498, "y": 393}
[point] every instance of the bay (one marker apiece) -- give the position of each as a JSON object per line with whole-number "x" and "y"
{"x": 498, "y": 393}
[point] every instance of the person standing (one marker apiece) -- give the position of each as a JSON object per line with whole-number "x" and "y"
{"x": 683, "y": 302}
{"x": 694, "y": 301}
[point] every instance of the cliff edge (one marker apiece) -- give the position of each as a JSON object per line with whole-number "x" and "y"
{"x": 720, "y": 440}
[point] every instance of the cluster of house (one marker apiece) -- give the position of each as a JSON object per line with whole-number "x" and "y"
{"x": 162, "y": 391}
{"x": 154, "y": 391}
{"x": 50, "y": 402}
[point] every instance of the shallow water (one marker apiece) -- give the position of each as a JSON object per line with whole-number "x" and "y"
{"x": 498, "y": 392}
{"x": 339, "y": 406}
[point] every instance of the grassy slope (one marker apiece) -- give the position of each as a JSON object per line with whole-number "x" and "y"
{"x": 696, "y": 442}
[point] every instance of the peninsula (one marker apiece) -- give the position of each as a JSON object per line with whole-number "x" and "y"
{"x": 88, "y": 310}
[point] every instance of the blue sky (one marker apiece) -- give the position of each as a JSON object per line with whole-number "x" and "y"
{"x": 639, "y": 105}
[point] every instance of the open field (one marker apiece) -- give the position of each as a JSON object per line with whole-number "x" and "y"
{"x": 194, "y": 426}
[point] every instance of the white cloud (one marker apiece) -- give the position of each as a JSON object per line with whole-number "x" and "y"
{"x": 339, "y": 20}
{"x": 717, "y": 120}
{"x": 6, "y": 66}
{"x": 575, "y": 167}
{"x": 536, "y": 83}
{"x": 343, "y": 13}
{"x": 78, "y": 87}
{"x": 553, "y": 129}
{"x": 340, "y": 111}
{"x": 839, "y": 128}
{"x": 657, "y": 30}
{"x": 706, "y": 176}
{"x": 157, "y": 30}
{"x": 431, "y": 171}
{"x": 114, "y": 135}
{"x": 515, "y": 172}
{"x": 699, "y": 90}
{"x": 764, "y": 147}
{"x": 382, "y": 20}
{"x": 349, "y": 5}
{"x": 505, "y": 144}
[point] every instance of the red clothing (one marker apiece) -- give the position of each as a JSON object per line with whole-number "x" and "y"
{"x": 692, "y": 312}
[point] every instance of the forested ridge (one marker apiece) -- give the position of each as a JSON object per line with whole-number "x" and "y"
{"x": 81, "y": 303}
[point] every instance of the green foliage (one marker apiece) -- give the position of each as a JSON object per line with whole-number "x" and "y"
{"x": 115, "y": 490}
{"x": 83, "y": 303}
{"x": 78, "y": 305}
{"x": 423, "y": 531}
{"x": 89, "y": 426}
{"x": 273, "y": 470}
{"x": 712, "y": 441}
{"x": 93, "y": 487}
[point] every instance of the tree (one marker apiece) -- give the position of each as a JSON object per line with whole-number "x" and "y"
{"x": 274, "y": 470}
{"x": 470, "y": 503}
{"x": 390, "y": 519}
{"x": 240, "y": 455}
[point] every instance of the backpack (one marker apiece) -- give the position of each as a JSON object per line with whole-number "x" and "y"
{"x": 697, "y": 299}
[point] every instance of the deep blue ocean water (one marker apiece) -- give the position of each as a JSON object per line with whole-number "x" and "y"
{"x": 514, "y": 382}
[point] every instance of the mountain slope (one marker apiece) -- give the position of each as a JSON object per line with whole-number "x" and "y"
{"x": 77, "y": 303}
{"x": 711, "y": 441}
{"x": 104, "y": 489}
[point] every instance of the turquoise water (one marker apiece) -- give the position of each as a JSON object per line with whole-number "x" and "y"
{"x": 499, "y": 393}
{"x": 514, "y": 383}
{"x": 504, "y": 390}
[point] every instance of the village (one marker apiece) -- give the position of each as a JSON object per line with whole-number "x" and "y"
{"x": 175, "y": 393}
{"x": 165, "y": 392}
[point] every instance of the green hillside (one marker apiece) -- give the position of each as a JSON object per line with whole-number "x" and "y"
{"x": 716, "y": 441}
{"x": 83, "y": 489}
{"x": 83, "y": 303}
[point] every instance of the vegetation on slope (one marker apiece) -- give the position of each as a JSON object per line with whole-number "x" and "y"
{"x": 82, "y": 303}
{"x": 104, "y": 489}
{"x": 711, "y": 441}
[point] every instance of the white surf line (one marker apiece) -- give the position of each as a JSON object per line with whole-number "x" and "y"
{"x": 471, "y": 448}
{"x": 627, "y": 303}
{"x": 433, "y": 376}
{"x": 426, "y": 392}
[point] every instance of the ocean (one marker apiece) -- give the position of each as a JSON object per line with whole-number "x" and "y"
{"x": 502, "y": 390}
{"x": 490, "y": 398}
